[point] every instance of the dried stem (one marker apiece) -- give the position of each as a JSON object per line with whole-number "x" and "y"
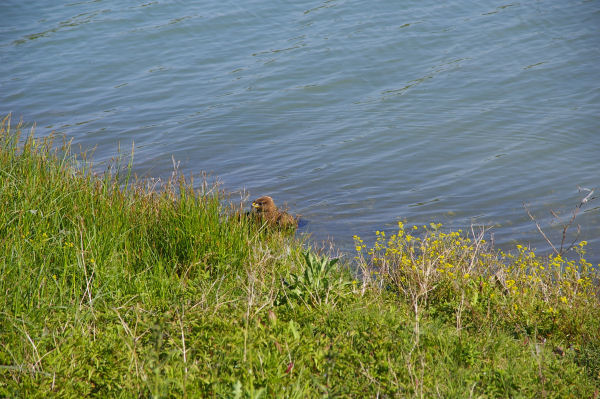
{"x": 566, "y": 226}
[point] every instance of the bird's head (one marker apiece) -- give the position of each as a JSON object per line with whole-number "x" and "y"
{"x": 264, "y": 204}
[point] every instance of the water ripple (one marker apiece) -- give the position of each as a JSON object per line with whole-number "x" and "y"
{"x": 357, "y": 114}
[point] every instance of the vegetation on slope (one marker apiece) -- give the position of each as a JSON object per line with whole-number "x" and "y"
{"x": 119, "y": 288}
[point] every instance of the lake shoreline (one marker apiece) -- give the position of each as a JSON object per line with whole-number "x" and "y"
{"x": 116, "y": 285}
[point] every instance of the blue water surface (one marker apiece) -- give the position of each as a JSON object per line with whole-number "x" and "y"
{"x": 356, "y": 114}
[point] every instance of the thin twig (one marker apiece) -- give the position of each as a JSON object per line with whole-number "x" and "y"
{"x": 539, "y": 228}
{"x": 567, "y": 225}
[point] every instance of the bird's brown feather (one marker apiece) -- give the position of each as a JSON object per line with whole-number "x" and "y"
{"x": 265, "y": 208}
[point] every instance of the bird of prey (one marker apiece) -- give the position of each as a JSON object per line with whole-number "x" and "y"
{"x": 264, "y": 208}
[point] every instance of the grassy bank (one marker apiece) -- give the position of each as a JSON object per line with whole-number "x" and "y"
{"x": 116, "y": 288}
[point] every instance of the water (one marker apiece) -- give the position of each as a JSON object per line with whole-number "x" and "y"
{"x": 357, "y": 114}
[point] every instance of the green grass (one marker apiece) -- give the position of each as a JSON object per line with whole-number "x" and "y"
{"x": 113, "y": 287}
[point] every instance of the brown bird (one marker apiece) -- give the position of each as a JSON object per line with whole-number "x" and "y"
{"x": 264, "y": 207}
